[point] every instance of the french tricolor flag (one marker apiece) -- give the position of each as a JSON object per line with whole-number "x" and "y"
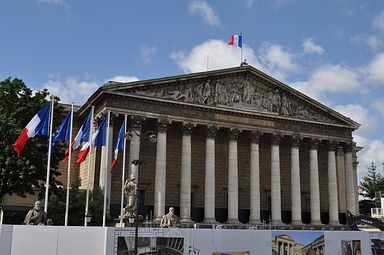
{"x": 38, "y": 125}
{"x": 98, "y": 140}
{"x": 236, "y": 40}
{"x": 82, "y": 135}
{"x": 119, "y": 145}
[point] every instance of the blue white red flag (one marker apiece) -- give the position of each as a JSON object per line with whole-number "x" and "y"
{"x": 119, "y": 145}
{"x": 98, "y": 140}
{"x": 37, "y": 126}
{"x": 236, "y": 40}
{"x": 82, "y": 135}
{"x": 64, "y": 130}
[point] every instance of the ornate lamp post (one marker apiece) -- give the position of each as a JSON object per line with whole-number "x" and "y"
{"x": 137, "y": 162}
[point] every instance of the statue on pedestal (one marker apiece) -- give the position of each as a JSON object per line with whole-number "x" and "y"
{"x": 36, "y": 216}
{"x": 170, "y": 219}
{"x": 130, "y": 190}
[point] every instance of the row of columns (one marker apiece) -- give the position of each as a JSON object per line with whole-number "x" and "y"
{"x": 233, "y": 190}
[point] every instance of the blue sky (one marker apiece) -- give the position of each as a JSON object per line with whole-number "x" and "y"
{"x": 332, "y": 50}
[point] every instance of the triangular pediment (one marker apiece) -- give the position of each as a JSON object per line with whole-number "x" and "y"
{"x": 244, "y": 88}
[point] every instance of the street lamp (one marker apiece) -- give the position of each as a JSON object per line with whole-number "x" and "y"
{"x": 137, "y": 162}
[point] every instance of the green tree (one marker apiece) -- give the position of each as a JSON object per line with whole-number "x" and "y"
{"x": 76, "y": 209}
{"x": 27, "y": 173}
{"x": 371, "y": 183}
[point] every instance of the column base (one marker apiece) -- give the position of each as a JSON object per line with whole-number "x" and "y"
{"x": 233, "y": 221}
{"x": 157, "y": 220}
{"x": 255, "y": 222}
{"x": 297, "y": 223}
{"x": 316, "y": 223}
{"x": 277, "y": 223}
{"x": 334, "y": 223}
{"x": 210, "y": 221}
{"x": 186, "y": 220}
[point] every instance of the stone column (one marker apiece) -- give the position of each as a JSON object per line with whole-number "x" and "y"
{"x": 209, "y": 192}
{"x": 350, "y": 185}
{"x": 275, "y": 180}
{"x": 233, "y": 182}
{"x": 254, "y": 215}
{"x": 332, "y": 184}
{"x": 314, "y": 183}
{"x": 160, "y": 176}
{"x": 185, "y": 178}
{"x": 295, "y": 181}
{"x": 340, "y": 165}
{"x": 134, "y": 144}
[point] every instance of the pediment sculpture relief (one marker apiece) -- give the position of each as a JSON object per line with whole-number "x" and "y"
{"x": 239, "y": 93}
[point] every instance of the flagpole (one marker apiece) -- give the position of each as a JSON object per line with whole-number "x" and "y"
{"x": 106, "y": 171}
{"x": 69, "y": 168}
{"x": 123, "y": 172}
{"x": 89, "y": 168}
{"x": 241, "y": 49}
{"x": 49, "y": 157}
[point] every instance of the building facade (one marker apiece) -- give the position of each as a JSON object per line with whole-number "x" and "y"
{"x": 233, "y": 145}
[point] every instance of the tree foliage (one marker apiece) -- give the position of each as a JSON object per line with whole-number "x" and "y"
{"x": 27, "y": 173}
{"x": 76, "y": 209}
{"x": 372, "y": 182}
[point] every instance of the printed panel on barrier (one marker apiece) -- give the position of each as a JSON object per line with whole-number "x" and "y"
{"x": 297, "y": 242}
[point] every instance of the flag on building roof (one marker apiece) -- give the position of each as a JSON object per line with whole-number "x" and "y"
{"x": 119, "y": 145}
{"x": 82, "y": 135}
{"x": 37, "y": 126}
{"x": 236, "y": 40}
{"x": 98, "y": 140}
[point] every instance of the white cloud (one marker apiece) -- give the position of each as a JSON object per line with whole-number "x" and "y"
{"x": 310, "y": 47}
{"x": 71, "y": 89}
{"x": 206, "y": 12}
{"x": 51, "y": 1}
{"x": 121, "y": 78}
{"x": 277, "y": 61}
{"x": 373, "y": 151}
{"x": 374, "y": 42}
{"x": 334, "y": 78}
{"x": 379, "y": 105}
{"x": 147, "y": 53}
{"x": 249, "y": 3}
{"x": 361, "y": 115}
{"x": 219, "y": 53}
{"x": 378, "y": 21}
{"x": 376, "y": 69}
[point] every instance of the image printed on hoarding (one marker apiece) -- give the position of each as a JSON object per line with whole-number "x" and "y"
{"x": 351, "y": 247}
{"x": 297, "y": 242}
{"x": 151, "y": 245}
{"x": 377, "y": 246}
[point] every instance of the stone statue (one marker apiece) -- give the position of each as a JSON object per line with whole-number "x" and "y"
{"x": 170, "y": 219}
{"x": 130, "y": 189}
{"x": 36, "y": 216}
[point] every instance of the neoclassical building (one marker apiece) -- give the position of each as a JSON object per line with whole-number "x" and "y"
{"x": 233, "y": 145}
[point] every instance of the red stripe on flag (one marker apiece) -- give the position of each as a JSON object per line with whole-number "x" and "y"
{"x": 21, "y": 141}
{"x": 82, "y": 155}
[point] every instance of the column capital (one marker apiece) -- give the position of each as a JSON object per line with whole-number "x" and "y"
{"x": 332, "y": 145}
{"x": 295, "y": 140}
{"x": 256, "y": 136}
{"x": 136, "y": 122}
{"x": 211, "y": 131}
{"x": 187, "y": 128}
{"x": 314, "y": 143}
{"x": 234, "y": 133}
{"x": 348, "y": 147}
{"x": 276, "y": 138}
{"x": 162, "y": 126}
